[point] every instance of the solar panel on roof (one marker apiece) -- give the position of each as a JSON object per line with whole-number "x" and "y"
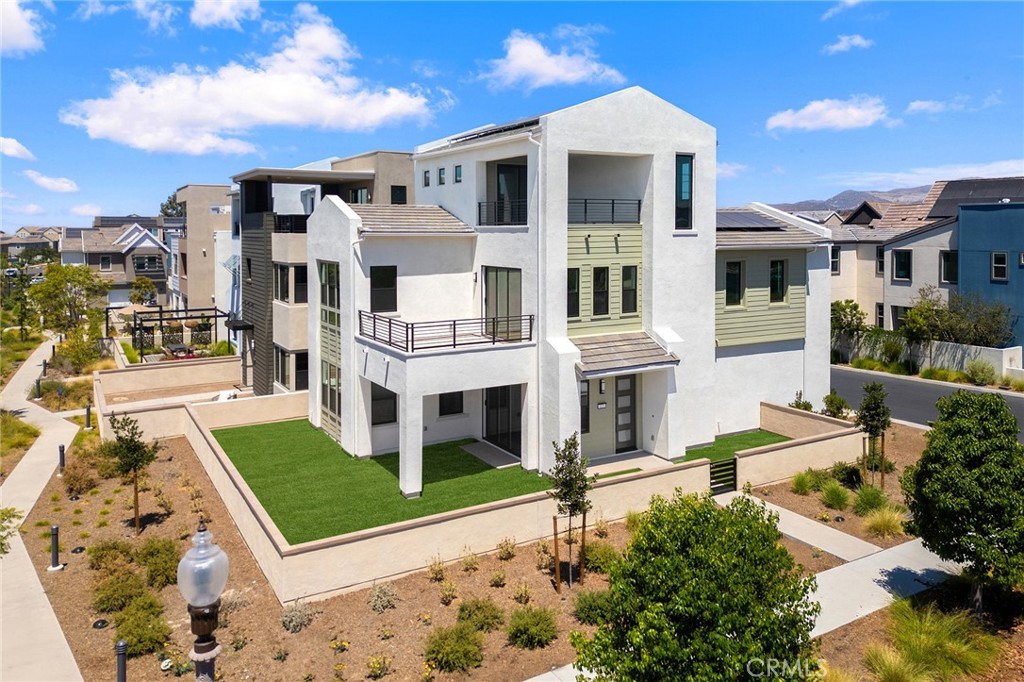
{"x": 745, "y": 219}
{"x": 982, "y": 191}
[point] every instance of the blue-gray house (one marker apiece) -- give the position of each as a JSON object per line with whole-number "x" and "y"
{"x": 991, "y": 246}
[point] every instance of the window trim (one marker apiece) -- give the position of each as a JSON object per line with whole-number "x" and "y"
{"x": 834, "y": 256}
{"x": 458, "y": 174}
{"x": 1005, "y": 266}
{"x": 570, "y": 294}
{"x": 944, "y": 257}
{"x": 446, "y": 404}
{"x": 440, "y": 176}
{"x": 785, "y": 281}
{"x": 426, "y": 178}
{"x": 380, "y": 399}
{"x": 742, "y": 281}
{"x": 594, "y": 291}
{"x": 910, "y": 265}
{"x": 622, "y": 290}
{"x": 405, "y": 195}
{"x": 110, "y": 263}
{"x": 684, "y": 203}
{"x": 393, "y": 299}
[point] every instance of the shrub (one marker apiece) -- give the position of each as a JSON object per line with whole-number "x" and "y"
{"x": 110, "y": 555}
{"x": 449, "y": 592}
{"x": 543, "y": 555}
{"x": 889, "y": 665}
{"x": 892, "y": 349}
{"x": 382, "y": 597}
{"x": 947, "y": 645}
{"x": 378, "y": 666}
{"x": 130, "y": 353}
{"x": 435, "y": 569}
{"x": 600, "y": 556}
{"x": 819, "y": 477}
{"x": 160, "y": 556}
{"x": 1017, "y": 384}
{"x": 874, "y": 463}
{"x": 980, "y": 373}
{"x": 884, "y": 522}
{"x": 869, "y": 498}
{"x": 868, "y": 363}
{"x": 521, "y": 593}
{"x": 141, "y": 626}
{"x": 633, "y": 520}
{"x": 834, "y": 495}
{"x": 483, "y": 614}
{"x": 601, "y": 528}
{"x": 507, "y": 549}
{"x": 592, "y": 607}
{"x": 801, "y": 404}
{"x": 531, "y": 628}
{"x": 498, "y": 579}
{"x": 456, "y": 648}
{"x": 296, "y": 617}
{"x": 802, "y": 483}
{"x": 117, "y": 591}
{"x": 847, "y": 474}
{"x": 835, "y": 405}
{"x": 470, "y": 562}
{"x": 78, "y": 478}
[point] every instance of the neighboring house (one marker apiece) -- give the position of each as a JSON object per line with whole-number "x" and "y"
{"x": 992, "y": 256}
{"x": 825, "y": 217}
{"x": 562, "y": 274}
{"x": 118, "y": 255}
{"x": 926, "y": 256}
{"x": 194, "y": 259}
{"x": 29, "y": 239}
{"x": 272, "y": 208}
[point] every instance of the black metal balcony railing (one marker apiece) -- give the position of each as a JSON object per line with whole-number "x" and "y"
{"x": 295, "y": 224}
{"x": 604, "y": 211}
{"x": 508, "y": 212}
{"x": 413, "y": 336}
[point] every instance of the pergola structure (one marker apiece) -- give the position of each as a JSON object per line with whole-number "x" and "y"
{"x": 171, "y": 324}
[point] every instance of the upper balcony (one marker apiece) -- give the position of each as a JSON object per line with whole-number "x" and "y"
{"x": 412, "y": 337}
{"x": 290, "y": 224}
{"x": 604, "y": 211}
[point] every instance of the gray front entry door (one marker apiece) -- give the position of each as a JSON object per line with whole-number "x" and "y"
{"x": 625, "y": 413}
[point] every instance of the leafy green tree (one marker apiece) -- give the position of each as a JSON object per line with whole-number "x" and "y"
{"x": 570, "y": 483}
{"x": 143, "y": 289}
{"x": 927, "y": 320}
{"x": 131, "y": 453}
{"x": 79, "y": 347}
{"x": 171, "y": 207}
{"x": 847, "y": 326}
{"x": 966, "y": 493}
{"x": 65, "y": 295}
{"x": 977, "y": 322}
{"x": 9, "y": 517}
{"x": 873, "y": 418}
{"x": 16, "y": 299}
{"x": 701, "y": 593}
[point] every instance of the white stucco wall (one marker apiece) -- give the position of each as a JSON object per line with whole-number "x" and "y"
{"x": 925, "y": 248}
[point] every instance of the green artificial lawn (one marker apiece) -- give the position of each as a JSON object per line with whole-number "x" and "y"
{"x": 725, "y": 447}
{"x": 313, "y": 489}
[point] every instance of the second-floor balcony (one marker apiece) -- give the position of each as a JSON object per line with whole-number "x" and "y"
{"x": 290, "y": 224}
{"x": 411, "y": 337}
{"x": 502, "y": 212}
{"x": 603, "y": 211}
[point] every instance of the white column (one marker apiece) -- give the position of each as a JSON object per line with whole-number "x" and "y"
{"x": 410, "y": 444}
{"x": 356, "y": 435}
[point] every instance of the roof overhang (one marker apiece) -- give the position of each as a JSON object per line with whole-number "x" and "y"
{"x": 608, "y": 355}
{"x": 471, "y": 233}
{"x": 302, "y": 176}
{"x": 770, "y": 247}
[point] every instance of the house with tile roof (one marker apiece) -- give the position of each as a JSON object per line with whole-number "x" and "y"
{"x": 118, "y": 255}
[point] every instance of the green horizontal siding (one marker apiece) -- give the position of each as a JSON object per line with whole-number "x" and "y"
{"x": 757, "y": 320}
{"x": 611, "y": 246}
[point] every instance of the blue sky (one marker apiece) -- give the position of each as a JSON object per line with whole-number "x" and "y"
{"x": 107, "y": 107}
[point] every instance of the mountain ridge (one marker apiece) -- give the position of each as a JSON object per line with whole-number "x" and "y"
{"x": 850, "y": 199}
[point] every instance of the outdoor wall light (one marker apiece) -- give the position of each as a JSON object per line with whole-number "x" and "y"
{"x": 600, "y": 386}
{"x": 202, "y": 576}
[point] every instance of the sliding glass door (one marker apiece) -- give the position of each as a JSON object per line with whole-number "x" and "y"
{"x": 503, "y": 417}
{"x": 503, "y": 303}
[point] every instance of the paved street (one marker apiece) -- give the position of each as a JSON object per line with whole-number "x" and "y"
{"x": 910, "y": 399}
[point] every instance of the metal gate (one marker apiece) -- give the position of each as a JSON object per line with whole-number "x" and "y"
{"x": 723, "y": 476}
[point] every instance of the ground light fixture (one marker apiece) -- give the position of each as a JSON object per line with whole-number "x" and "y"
{"x": 202, "y": 575}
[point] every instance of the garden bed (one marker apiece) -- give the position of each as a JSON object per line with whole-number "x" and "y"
{"x": 903, "y": 446}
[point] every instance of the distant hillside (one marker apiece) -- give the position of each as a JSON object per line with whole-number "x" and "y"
{"x": 852, "y": 199}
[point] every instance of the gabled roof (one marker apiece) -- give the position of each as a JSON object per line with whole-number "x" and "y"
{"x": 979, "y": 191}
{"x": 408, "y": 219}
{"x": 609, "y": 354}
{"x": 865, "y": 213}
{"x": 759, "y": 226}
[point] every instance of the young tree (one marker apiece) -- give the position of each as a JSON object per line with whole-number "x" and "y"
{"x": 9, "y": 517}
{"x": 847, "y": 326}
{"x": 966, "y": 493}
{"x": 20, "y": 303}
{"x": 701, "y": 592}
{"x": 171, "y": 207}
{"x": 131, "y": 452}
{"x": 143, "y": 289}
{"x": 64, "y": 296}
{"x": 873, "y": 418}
{"x": 570, "y": 483}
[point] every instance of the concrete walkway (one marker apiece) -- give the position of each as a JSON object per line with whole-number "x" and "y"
{"x": 32, "y": 644}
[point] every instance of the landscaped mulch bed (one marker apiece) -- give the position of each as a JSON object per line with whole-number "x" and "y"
{"x": 903, "y": 445}
{"x": 811, "y": 559}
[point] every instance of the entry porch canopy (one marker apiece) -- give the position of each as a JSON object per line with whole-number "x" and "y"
{"x": 614, "y": 354}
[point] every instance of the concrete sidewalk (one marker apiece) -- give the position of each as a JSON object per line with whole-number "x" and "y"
{"x": 32, "y": 644}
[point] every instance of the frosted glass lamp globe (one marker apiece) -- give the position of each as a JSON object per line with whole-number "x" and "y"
{"x": 203, "y": 571}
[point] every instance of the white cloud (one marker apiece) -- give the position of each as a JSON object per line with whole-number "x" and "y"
{"x": 25, "y": 209}
{"x": 529, "y": 64}
{"x": 4, "y": 194}
{"x": 11, "y": 147}
{"x": 426, "y": 69}
{"x": 95, "y": 8}
{"x": 846, "y": 43}
{"x": 859, "y": 111}
{"x": 731, "y": 170}
{"x": 156, "y": 13}
{"x": 956, "y": 103}
{"x": 87, "y": 210}
{"x": 224, "y": 13}
{"x": 843, "y": 4}
{"x": 926, "y": 175}
{"x": 52, "y": 184}
{"x": 20, "y": 29}
{"x": 306, "y": 82}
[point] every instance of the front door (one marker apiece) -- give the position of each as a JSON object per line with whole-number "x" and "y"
{"x": 503, "y": 302}
{"x": 503, "y": 422}
{"x": 625, "y": 413}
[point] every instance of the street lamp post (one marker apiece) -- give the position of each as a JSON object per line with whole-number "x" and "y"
{"x": 202, "y": 575}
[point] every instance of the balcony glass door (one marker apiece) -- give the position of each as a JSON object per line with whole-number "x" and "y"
{"x": 503, "y": 423}
{"x": 511, "y": 205}
{"x": 503, "y": 303}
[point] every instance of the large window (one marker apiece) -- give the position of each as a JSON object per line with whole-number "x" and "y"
{"x": 281, "y": 366}
{"x": 585, "y": 406}
{"x": 735, "y": 286}
{"x": 449, "y": 404}
{"x": 329, "y": 293}
{"x": 778, "y": 287}
{"x": 879, "y": 260}
{"x": 949, "y": 270}
{"x": 147, "y": 263}
{"x": 600, "y": 286}
{"x": 834, "y": 260}
{"x": 398, "y": 194}
{"x": 628, "y": 289}
{"x": 359, "y": 195}
{"x": 301, "y": 284}
{"x": 281, "y": 283}
{"x": 383, "y": 405}
{"x": 684, "y": 192}
{"x": 383, "y": 289}
{"x": 1000, "y": 269}
{"x": 902, "y": 265}
{"x": 573, "y": 304}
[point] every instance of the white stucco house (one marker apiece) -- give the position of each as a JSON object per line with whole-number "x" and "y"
{"x": 559, "y": 274}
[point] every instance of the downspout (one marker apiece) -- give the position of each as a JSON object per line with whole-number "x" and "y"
{"x": 542, "y": 262}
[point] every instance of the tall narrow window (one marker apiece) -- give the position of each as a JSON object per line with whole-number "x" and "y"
{"x": 585, "y": 406}
{"x": 902, "y": 267}
{"x": 1000, "y": 271}
{"x": 573, "y": 304}
{"x": 383, "y": 289}
{"x": 301, "y": 371}
{"x": 426, "y": 178}
{"x": 777, "y": 284}
{"x": 734, "y": 284}
{"x": 879, "y": 260}
{"x": 299, "y": 295}
{"x": 440, "y": 176}
{"x": 600, "y": 286}
{"x": 329, "y": 292}
{"x": 880, "y": 315}
{"x": 628, "y": 289}
{"x": 449, "y": 404}
{"x": 949, "y": 267}
{"x": 281, "y": 283}
{"x": 383, "y": 405}
{"x": 834, "y": 260}
{"x": 281, "y": 366}
{"x": 684, "y": 192}
{"x": 398, "y": 194}
{"x": 458, "y": 174}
